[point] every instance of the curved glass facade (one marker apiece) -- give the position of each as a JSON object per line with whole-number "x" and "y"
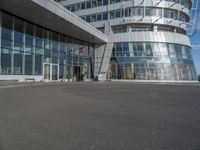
{"x": 151, "y": 61}
{"x": 136, "y": 12}
{"x": 97, "y": 3}
{"x": 28, "y": 49}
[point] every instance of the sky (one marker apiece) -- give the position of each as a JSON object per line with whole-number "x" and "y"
{"x": 195, "y": 40}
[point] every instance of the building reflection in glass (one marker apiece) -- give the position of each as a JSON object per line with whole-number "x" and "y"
{"x": 151, "y": 61}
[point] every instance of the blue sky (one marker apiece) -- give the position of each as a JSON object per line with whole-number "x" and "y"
{"x": 195, "y": 40}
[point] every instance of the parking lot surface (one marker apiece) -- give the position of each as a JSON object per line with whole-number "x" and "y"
{"x": 100, "y": 116}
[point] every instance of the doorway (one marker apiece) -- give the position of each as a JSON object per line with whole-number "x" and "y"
{"x": 50, "y": 71}
{"x": 78, "y": 73}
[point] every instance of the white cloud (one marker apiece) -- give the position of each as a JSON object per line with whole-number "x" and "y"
{"x": 196, "y": 47}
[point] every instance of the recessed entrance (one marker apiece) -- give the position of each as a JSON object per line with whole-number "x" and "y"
{"x": 77, "y": 73}
{"x": 50, "y": 71}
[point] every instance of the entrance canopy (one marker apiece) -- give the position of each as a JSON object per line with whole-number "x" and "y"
{"x": 51, "y": 15}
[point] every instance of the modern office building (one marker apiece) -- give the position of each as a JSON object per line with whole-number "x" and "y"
{"x": 41, "y": 40}
{"x": 146, "y": 38}
{"x": 140, "y": 39}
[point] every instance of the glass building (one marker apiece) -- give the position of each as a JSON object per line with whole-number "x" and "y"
{"x": 117, "y": 39}
{"x": 29, "y": 50}
{"x": 148, "y": 39}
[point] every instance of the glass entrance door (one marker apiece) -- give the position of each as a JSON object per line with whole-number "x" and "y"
{"x": 77, "y": 73}
{"x": 51, "y": 71}
{"x": 54, "y": 72}
{"x": 47, "y": 71}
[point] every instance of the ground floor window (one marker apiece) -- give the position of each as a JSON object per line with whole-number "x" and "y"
{"x": 29, "y": 49}
{"x": 151, "y": 61}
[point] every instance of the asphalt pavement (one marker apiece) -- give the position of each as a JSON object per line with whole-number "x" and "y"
{"x": 99, "y": 116}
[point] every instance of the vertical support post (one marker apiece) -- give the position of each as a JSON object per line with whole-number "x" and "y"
{"x": 12, "y": 53}
{"x": 116, "y": 70}
{"x": 23, "y": 56}
{"x": 43, "y": 47}
{"x": 72, "y": 61}
{"x": 58, "y": 71}
{"x": 51, "y": 71}
{"x": 66, "y": 71}
{"x": 59, "y": 48}
{"x": 34, "y": 44}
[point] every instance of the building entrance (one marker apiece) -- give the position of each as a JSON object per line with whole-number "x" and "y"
{"x": 50, "y": 71}
{"x": 78, "y": 73}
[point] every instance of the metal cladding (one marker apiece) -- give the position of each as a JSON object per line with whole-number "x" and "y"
{"x": 148, "y": 37}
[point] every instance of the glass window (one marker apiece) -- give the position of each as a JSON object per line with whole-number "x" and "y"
{"x": 135, "y": 49}
{"x": 28, "y": 64}
{"x": 38, "y": 64}
{"x": 7, "y": 23}
{"x": 99, "y": 17}
{"x": 17, "y": 64}
{"x": 94, "y": 3}
{"x": 166, "y": 13}
{"x": 101, "y": 29}
{"x": 117, "y": 1}
{"x": 6, "y": 43}
{"x": 112, "y": 1}
{"x": 188, "y": 52}
{"x": 18, "y": 45}
{"x": 99, "y": 2}
{"x": 29, "y": 37}
{"x": 140, "y": 49}
{"x": 34, "y": 45}
{"x": 69, "y": 8}
{"x": 39, "y": 37}
{"x": 19, "y": 30}
{"x": 78, "y": 7}
{"x": 139, "y": 11}
{"x": 105, "y": 16}
{"x": 178, "y": 51}
{"x": 118, "y": 14}
{"x": 88, "y": 4}
{"x": 112, "y": 15}
{"x": 148, "y": 49}
{"x": 47, "y": 39}
{"x": 105, "y": 2}
{"x": 47, "y": 50}
{"x": 94, "y": 18}
{"x": 148, "y": 11}
{"x": 63, "y": 46}
{"x": 29, "y": 34}
{"x": 127, "y": 12}
{"x": 73, "y": 8}
{"x": 158, "y": 12}
{"x": 156, "y": 50}
{"x": 88, "y": 19}
{"x": 83, "y": 6}
{"x": 125, "y": 49}
{"x": 55, "y": 41}
{"x": 118, "y": 49}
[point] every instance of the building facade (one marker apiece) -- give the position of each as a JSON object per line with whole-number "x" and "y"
{"x": 44, "y": 41}
{"x": 146, "y": 39}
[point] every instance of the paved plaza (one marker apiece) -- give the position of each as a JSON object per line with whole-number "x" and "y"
{"x": 99, "y": 116}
